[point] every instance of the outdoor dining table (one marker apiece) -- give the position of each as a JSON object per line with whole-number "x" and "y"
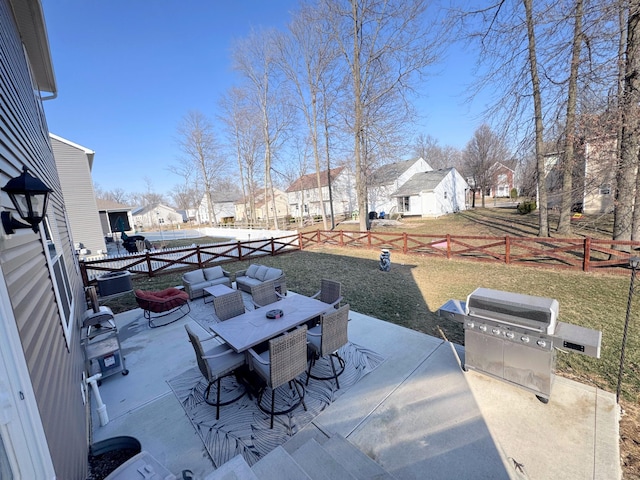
{"x": 253, "y": 327}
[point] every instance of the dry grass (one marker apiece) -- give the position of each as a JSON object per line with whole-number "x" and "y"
{"x": 410, "y": 294}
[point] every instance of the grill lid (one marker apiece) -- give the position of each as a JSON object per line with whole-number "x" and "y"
{"x": 528, "y": 311}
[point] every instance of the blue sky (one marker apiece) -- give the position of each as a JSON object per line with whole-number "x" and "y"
{"x": 128, "y": 71}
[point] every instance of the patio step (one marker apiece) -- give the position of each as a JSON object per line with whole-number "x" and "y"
{"x": 235, "y": 469}
{"x": 318, "y": 463}
{"x": 278, "y": 465}
{"x": 354, "y": 460}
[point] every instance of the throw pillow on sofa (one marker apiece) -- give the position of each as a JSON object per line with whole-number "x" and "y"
{"x": 195, "y": 276}
{"x": 260, "y": 274}
{"x": 251, "y": 271}
{"x": 272, "y": 274}
{"x": 213, "y": 272}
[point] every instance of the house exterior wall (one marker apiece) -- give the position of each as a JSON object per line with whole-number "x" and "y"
{"x": 74, "y": 171}
{"x": 303, "y": 203}
{"x": 282, "y": 207}
{"x": 155, "y": 217}
{"x": 380, "y": 199}
{"x": 599, "y": 176}
{"x": 46, "y": 323}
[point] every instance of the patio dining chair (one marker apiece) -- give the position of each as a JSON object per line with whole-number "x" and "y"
{"x": 285, "y": 360}
{"x": 265, "y": 293}
{"x": 215, "y": 364}
{"x": 325, "y": 339}
{"x": 229, "y": 305}
{"x": 330, "y": 292}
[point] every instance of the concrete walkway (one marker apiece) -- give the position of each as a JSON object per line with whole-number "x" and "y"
{"x": 418, "y": 414}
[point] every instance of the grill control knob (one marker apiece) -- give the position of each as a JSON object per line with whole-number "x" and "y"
{"x": 470, "y": 324}
{"x": 541, "y": 343}
{"x": 495, "y": 331}
{"x": 525, "y": 339}
{"x": 509, "y": 335}
{"x": 483, "y": 328}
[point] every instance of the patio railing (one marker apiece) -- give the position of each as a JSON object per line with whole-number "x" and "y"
{"x": 587, "y": 254}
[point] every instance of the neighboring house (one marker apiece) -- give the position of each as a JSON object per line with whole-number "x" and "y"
{"x": 43, "y": 410}
{"x": 224, "y": 209}
{"x": 74, "y": 163}
{"x": 388, "y": 179}
{"x": 594, "y": 176}
{"x": 262, "y": 207}
{"x": 304, "y": 199}
{"x": 113, "y": 218}
{"x": 155, "y": 216}
{"x": 502, "y": 180}
{"x": 432, "y": 194}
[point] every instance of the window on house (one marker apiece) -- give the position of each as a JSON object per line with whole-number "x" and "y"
{"x": 403, "y": 204}
{"x": 445, "y": 195}
{"x": 605, "y": 189}
{"x": 58, "y": 271}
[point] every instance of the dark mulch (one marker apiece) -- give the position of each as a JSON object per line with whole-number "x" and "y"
{"x": 102, "y": 465}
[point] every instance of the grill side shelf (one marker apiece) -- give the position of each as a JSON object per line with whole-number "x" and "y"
{"x": 453, "y": 310}
{"x": 578, "y": 339}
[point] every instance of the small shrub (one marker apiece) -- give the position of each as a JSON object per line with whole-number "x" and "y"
{"x": 527, "y": 206}
{"x": 514, "y": 193}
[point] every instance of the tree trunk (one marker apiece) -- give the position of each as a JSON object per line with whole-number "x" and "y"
{"x": 564, "y": 222}
{"x": 357, "y": 124}
{"x": 628, "y": 160}
{"x": 539, "y": 128}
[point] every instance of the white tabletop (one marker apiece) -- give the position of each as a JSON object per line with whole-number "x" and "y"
{"x": 253, "y": 327}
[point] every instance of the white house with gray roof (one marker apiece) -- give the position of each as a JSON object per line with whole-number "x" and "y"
{"x": 388, "y": 179}
{"x": 432, "y": 194}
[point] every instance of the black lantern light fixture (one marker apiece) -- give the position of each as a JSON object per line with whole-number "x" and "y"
{"x": 29, "y": 195}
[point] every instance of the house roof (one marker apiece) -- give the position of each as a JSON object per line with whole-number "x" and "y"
{"x": 387, "y": 174}
{"x": 89, "y": 153}
{"x": 33, "y": 32}
{"x": 309, "y": 181}
{"x": 110, "y": 205}
{"x": 422, "y": 182}
{"x": 149, "y": 208}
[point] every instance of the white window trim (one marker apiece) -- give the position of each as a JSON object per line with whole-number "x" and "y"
{"x": 20, "y": 425}
{"x": 67, "y": 323}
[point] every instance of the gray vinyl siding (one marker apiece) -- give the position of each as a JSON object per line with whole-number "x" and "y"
{"x": 79, "y": 197}
{"x": 55, "y": 369}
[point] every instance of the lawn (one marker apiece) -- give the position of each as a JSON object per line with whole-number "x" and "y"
{"x": 410, "y": 294}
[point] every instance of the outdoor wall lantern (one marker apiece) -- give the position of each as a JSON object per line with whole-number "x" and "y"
{"x": 29, "y": 195}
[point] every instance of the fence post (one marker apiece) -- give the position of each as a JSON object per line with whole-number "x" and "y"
{"x": 507, "y": 250}
{"x": 199, "y": 256}
{"x": 405, "y": 246}
{"x": 149, "y": 267}
{"x": 587, "y": 254}
{"x": 300, "y": 246}
{"x": 341, "y": 238}
{"x": 83, "y": 273}
{"x": 369, "y": 238}
{"x": 239, "y": 250}
{"x": 448, "y": 245}
{"x": 273, "y": 247}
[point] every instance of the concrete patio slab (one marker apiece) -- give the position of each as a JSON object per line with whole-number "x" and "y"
{"x": 418, "y": 414}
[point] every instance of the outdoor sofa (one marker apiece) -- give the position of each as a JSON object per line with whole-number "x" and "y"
{"x": 197, "y": 280}
{"x": 257, "y": 274}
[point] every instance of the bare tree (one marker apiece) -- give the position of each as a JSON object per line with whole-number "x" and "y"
{"x": 308, "y": 59}
{"x": 436, "y": 156}
{"x": 480, "y": 154}
{"x": 626, "y": 172}
{"x": 254, "y": 57}
{"x": 385, "y": 46}
{"x": 202, "y": 157}
{"x": 242, "y": 120}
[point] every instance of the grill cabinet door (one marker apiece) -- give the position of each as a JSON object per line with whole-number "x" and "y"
{"x": 484, "y": 352}
{"x": 529, "y": 367}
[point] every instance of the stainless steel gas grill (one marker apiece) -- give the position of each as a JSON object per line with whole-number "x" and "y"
{"x": 514, "y": 337}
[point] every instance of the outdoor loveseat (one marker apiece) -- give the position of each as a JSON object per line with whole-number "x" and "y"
{"x": 196, "y": 281}
{"x": 256, "y": 274}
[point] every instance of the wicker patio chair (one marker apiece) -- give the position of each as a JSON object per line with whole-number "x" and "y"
{"x": 265, "y": 293}
{"x": 330, "y": 292}
{"x": 215, "y": 364}
{"x": 325, "y": 339}
{"x": 285, "y": 360}
{"x": 229, "y": 305}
